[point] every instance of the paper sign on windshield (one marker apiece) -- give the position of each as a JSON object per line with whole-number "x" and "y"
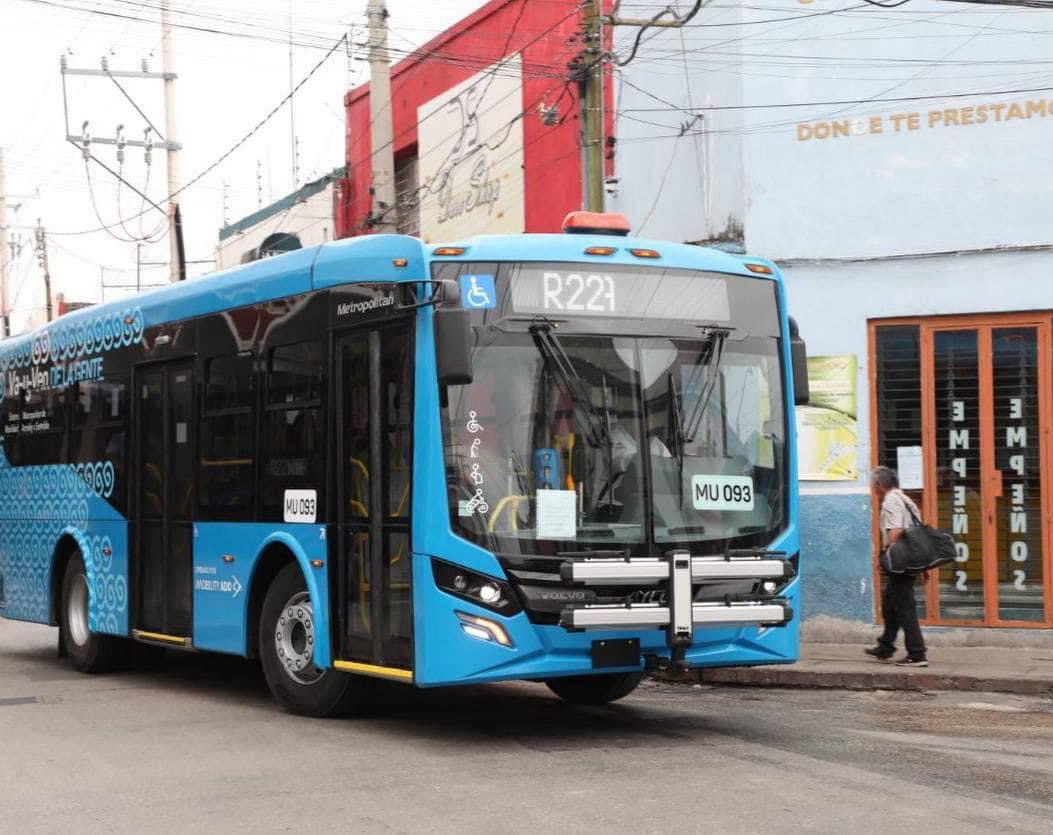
{"x": 557, "y": 514}
{"x": 722, "y": 492}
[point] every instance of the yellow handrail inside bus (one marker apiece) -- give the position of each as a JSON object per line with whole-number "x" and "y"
{"x": 510, "y": 501}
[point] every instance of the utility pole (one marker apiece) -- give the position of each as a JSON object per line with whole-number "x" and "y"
{"x": 5, "y": 252}
{"x": 177, "y": 269}
{"x": 42, "y": 257}
{"x": 591, "y": 80}
{"x": 382, "y": 175}
{"x": 591, "y": 98}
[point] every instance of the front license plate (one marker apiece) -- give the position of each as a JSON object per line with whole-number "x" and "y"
{"x": 621, "y": 652}
{"x": 722, "y": 492}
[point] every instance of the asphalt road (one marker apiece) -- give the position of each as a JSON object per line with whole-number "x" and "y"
{"x": 197, "y": 745}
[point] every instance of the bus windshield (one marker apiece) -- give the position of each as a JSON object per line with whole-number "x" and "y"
{"x": 620, "y": 428}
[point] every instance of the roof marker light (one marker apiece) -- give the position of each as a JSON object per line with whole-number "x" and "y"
{"x": 763, "y": 269}
{"x": 444, "y": 251}
{"x": 601, "y": 250}
{"x": 596, "y": 223}
{"x": 646, "y": 253}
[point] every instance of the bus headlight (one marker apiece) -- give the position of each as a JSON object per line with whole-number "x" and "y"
{"x": 488, "y": 592}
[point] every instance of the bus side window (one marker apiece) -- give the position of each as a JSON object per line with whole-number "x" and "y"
{"x": 397, "y": 374}
{"x": 98, "y": 427}
{"x": 43, "y": 437}
{"x": 227, "y": 428}
{"x": 293, "y": 427}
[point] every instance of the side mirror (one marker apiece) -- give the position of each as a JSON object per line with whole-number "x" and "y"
{"x": 453, "y": 345}
{"x": 799, "y": 360}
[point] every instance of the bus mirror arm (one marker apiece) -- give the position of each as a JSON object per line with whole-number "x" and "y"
{"x": 429, "y": 294}
{"x": 799, "y": 361}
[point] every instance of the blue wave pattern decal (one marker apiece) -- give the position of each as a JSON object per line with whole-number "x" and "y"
{"x": 68, "y": 341}
{"x": 39, "y": 503}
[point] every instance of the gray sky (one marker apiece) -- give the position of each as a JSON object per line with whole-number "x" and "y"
{"x": 226, "y": 84}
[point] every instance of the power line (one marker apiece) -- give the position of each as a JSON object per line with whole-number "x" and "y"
{"x": 780, "y": 105}
{"x": 343, "y": 40}
{"x": 255, "y": 129}
{"x": 678, "y": 21}
{"x": 485, "y": 78}
{"x": 212, "y": 30}
{"x": 1029, "y": 4}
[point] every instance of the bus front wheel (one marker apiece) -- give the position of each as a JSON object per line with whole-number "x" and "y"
{"x": 88, "y": 651}
{"x": 287, "y": 639}
{"x": 600, "y": 689}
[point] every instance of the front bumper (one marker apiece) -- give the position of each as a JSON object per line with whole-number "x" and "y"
{"x": 652, "y": 616}
{"x": 733, "y": 635}
{"x": 675, "y": 606}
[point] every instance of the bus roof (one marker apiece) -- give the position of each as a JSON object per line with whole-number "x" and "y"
{"x": 571, "y": 247}
{"x": 364, "y": 258}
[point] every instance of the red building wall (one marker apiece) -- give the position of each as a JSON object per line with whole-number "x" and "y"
{"x": 547, "y": 34}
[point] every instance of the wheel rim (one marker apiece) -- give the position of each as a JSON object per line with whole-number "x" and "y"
{"x": 77, "y": 610}
{"x": 294, "y": 640}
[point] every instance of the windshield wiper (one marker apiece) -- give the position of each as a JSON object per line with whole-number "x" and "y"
{"x": 676, "y": 432}
{"x": 708, "y": 360}
{"x": 597, "y": 430}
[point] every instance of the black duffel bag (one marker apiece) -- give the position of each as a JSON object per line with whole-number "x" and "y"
{"x": 918, "y": 549}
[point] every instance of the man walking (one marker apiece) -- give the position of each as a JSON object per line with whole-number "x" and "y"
{"x": 898, "y": 607}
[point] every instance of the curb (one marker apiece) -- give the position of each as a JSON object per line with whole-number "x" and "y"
{"x": 775, "y": 677}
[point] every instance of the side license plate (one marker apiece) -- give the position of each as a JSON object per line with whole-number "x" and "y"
{"x": 621, "y": 652}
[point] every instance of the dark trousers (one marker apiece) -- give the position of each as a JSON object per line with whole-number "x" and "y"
{"x": 899, "y": 611}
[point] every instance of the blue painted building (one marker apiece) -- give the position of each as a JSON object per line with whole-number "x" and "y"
{"x": 889, "y": 160}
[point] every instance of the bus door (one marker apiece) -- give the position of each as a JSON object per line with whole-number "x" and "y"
{"x": 374, "y": 431}
{"x": 164, "y": 500}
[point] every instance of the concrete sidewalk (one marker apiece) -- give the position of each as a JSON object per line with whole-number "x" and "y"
{"x": 992, "y": 669}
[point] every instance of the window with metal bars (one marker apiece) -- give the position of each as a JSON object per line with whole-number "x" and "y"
{"x": 898, "y": 364}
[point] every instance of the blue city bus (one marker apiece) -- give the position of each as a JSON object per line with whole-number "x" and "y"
{"x": 564, "y": 458}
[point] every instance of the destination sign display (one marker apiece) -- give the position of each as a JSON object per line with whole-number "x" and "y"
{"x": 630, "y": 292}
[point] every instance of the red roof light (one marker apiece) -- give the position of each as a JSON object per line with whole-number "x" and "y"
{"x": 596, "y": 223}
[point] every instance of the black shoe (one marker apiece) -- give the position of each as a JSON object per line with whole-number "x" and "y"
{"x": 908, "y": 661}
{"x": 879, "y": 652}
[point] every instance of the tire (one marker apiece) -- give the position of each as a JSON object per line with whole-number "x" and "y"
{"x": 88, "y": 651}
{"x": 599, "y": 689}
{"x": 287, "y": 638}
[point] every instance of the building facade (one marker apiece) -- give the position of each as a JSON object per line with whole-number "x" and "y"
{"x": 306, "y": 217}
{"x": 486, "y": 128}
{"x": 892, "y": 161}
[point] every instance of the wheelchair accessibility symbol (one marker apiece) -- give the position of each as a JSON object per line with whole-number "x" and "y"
{"x": 477, "y": 292}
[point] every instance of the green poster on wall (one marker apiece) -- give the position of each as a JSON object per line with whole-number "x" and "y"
{"x": 826, "y": 427}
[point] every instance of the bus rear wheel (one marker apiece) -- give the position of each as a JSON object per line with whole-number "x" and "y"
{"x": 287, "y": 640}
{"x": 88, "y": 651}
{"x": 600, "y": 689}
